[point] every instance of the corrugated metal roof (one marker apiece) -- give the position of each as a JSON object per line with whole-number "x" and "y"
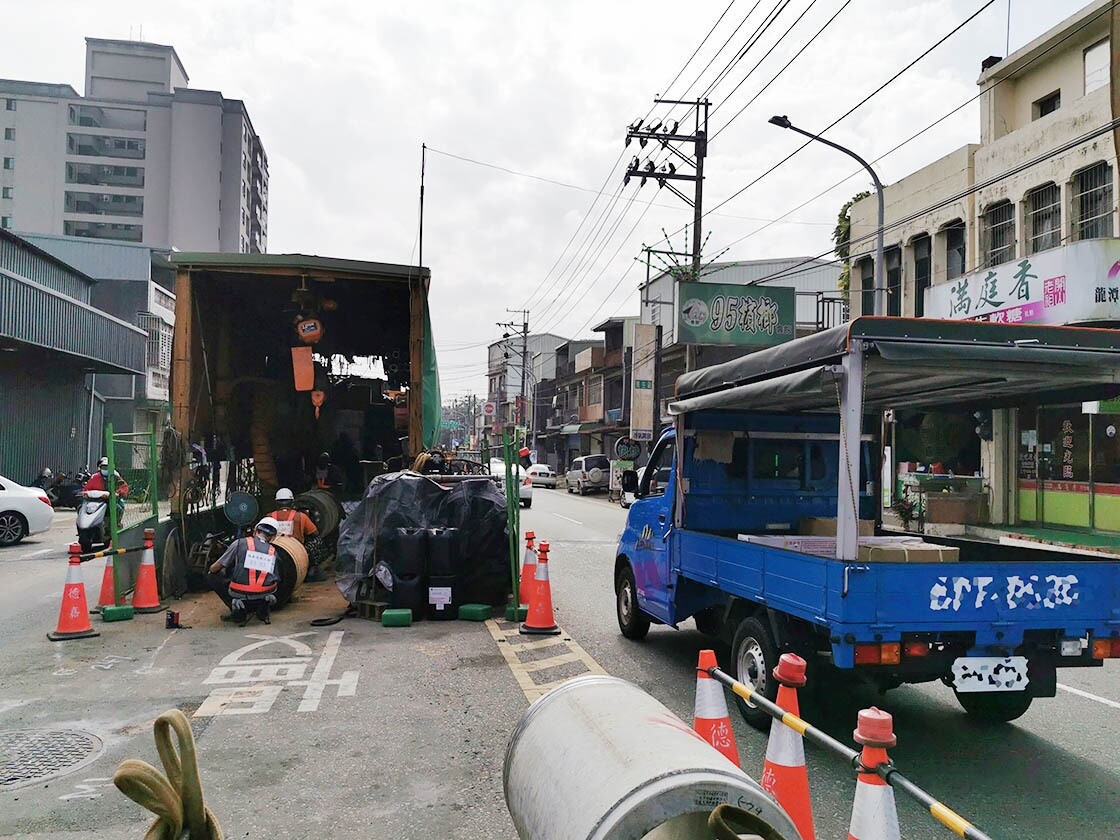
{"x": 276, "y": 263}
{"x": 100, "y": 260}
{"x": 28, "y": 260}
{"x": 34, "y": 314}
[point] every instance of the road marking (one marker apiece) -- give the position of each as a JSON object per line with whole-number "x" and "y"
{"x": 504, "y": 632}
{"x": 568, "y": 518}
{"x": 38, "y": 553}
{"x": 1089, "y": 696}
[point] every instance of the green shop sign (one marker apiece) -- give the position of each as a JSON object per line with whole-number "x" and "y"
{"x": 724, "y": 313}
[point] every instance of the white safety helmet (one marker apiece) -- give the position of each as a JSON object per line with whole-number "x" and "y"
{"x": 268, "y": 526}
{"x": 285, "y": 495}
{"x": 103, "y": 462}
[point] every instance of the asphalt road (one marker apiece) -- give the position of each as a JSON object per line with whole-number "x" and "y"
{"x": 385, "y": 732}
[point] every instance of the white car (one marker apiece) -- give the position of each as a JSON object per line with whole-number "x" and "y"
{"x": 23, "y": 511}
{"x": 525, "y": 488}
{"x": 542, "y": 475}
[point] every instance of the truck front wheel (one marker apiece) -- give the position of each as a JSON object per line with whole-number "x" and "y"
{"x": 755, "y": 657}
{"x": 994, "y": 706}
{"x": 631, "y": 621}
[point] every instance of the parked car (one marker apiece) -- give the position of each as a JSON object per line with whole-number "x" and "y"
{"x": 542, "y": 475}
{"x": 525, "y": 483}
{"x": 591, "y": 472}
{"x": 23, "y": 511}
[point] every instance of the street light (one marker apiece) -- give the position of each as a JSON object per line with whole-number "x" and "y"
{"x": 878, "y": 304}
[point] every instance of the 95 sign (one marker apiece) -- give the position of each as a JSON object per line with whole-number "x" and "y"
{"x": 721, "y": 313}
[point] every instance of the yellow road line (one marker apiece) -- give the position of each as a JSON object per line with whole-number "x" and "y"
{"x": 523, "y": 671}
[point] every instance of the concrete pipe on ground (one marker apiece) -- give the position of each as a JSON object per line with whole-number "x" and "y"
{"x": 291, "y": 567}
{"x": 599, "y": 759}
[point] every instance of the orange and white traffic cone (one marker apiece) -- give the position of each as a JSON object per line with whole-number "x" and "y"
{"x": 711, "y": 720}
{"x": 528, "y": 569}
{"x": 540, "y": 621}
{"x": 73, "y": 615}
{"x": 873, "y": 814}
{"x": 784, "y": 773}
{"x": 107, "y": 596}
{"x": 145, "y": 598}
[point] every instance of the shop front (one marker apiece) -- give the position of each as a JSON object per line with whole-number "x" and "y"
{"x": 1067, "y": 457}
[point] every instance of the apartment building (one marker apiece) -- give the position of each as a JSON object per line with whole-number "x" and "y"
{"x": 140, "y": 157}
{"x": 1021, "y": 227}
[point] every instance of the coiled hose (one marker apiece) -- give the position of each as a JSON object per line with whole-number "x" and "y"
{"x": 175, "y": 799}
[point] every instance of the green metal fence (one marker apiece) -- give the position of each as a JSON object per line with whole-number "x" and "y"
{"x": 135, "y": 458}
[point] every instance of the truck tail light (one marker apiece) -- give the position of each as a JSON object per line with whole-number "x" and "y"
{"x": 887, "y": 653}
{"x": 1106, "y": 648}
{"x": 914, "y": 650}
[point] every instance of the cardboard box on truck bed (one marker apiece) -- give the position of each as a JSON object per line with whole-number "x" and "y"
{"x": 823, "y": 526}
{"x": 909, "y": 553}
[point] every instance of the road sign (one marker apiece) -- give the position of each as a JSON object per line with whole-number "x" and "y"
{"x": 488, "y": 409}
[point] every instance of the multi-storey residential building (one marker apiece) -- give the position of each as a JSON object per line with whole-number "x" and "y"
{"x": 504, "y": 370}
{"x": 140, "y": 157}
{"x": 1021, "y": 228}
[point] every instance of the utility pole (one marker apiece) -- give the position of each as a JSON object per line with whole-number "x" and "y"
{"x": 523, "y": 327}
{"x": 664, "y": 132}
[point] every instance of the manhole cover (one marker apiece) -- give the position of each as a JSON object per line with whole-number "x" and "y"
{"x": 35, "y": 755}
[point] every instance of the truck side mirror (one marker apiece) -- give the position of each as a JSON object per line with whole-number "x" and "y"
{"x": 629, "y": 481}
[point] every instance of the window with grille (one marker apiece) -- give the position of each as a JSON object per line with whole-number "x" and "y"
{"x": 159, "y": 340}
{"x": 893, "y": 259}
{"x": 998, "y": 233}
{"x": 954, "y": 249}
{"x": 595, "y": 391}
{"x": 867, "y": 286}
{"x": 1044, "y": 218}
{"x": 1047, "y": 104}
{"x": 1096, "y": 66}
{"x": 1092, "y": 202}
{"x": 923, "y": 271}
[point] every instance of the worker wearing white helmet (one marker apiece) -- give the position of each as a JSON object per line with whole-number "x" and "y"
{"x": 244, "y": 577}
{"x": 292, "y": 522}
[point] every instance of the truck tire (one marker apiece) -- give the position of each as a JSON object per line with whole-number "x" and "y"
{"x": 631, "y": 621}
{"x": 754, "y": 656}
{"x": 994, "y": 706}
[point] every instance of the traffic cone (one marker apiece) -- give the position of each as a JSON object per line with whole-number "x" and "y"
{"x": 711, "y": 720}
{"x": 540, "y": 621}
{"x": 528, "y": 568}
{"x": 145, "y": 598}
{"x": 873, "y": 813}
{"x": 73, "y": 615}
{"x": 784, "y": 773}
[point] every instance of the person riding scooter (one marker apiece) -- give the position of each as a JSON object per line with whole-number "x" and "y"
{"x": 92, "y": 515}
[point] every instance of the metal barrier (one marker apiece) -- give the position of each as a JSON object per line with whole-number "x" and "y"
{"x": 887, "y": 772}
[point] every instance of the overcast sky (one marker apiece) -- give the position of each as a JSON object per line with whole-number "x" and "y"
{"x": 343, "y": 93}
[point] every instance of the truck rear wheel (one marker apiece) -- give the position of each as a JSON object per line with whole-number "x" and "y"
{"x": 755, "y": 657}
{"x": 994, "y": 706}
{"x": 631, "y": 621}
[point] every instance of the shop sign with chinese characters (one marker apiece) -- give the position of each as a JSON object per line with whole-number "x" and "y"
{"x": 1073, "y": 284}
{"x": 724, "y": 313}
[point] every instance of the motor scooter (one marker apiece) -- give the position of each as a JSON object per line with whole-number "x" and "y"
{"x": 68, "y": 489}
{"x": 93, "y": 520}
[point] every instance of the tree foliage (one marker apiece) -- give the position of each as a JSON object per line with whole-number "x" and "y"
{"x": 842, "y": 237}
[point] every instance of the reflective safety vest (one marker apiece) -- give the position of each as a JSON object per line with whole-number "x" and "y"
{"x": 254, "y": 571}
{"x": 294, "y": 523}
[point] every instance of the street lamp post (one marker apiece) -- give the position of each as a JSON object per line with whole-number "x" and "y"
{"x": 879, "y": 303}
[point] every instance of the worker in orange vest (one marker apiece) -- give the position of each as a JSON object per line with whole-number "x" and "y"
{"x": 245, "y": 576}
{"x": 298, "y": 525}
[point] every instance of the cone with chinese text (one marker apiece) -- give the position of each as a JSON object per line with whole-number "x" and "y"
{"x": 540, "y": 621}
{"x": 711, "y": 720}
{"x": 528, "y": 568}
{"x": 873, "y": 813}
{"x": 145, "y": 599}
{"x": 73, "y": 615}
{"x": 784, "y": 774}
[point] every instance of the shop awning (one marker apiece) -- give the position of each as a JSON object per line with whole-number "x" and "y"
{"x": 576, "y": 428}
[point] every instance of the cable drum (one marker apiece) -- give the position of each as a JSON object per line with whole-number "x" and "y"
{"x": 323, "y": 509}
{"x": 291, "y": 567}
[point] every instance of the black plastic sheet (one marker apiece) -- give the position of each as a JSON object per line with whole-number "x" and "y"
{"x": 476, "y": 507}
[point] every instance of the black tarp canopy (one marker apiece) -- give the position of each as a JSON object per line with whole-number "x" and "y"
{"x": 915, "y": 362}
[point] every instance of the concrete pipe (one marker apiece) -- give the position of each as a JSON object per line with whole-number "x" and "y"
{"x": 599, "y": 759}
{"x": 291, "y": 567}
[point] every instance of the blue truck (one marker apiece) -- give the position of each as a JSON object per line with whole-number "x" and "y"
{"x": 791, "y": 434}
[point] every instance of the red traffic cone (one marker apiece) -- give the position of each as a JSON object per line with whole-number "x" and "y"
{"x": 145, "y": 598}
{"x": 873, "y": 813}
{"x": 540, "y": 621}
{"x": 711, "y": 720}
{"x": 107, "y": 596}
{"x": 73, "y": 615}
{"x": 528, "y": 568}
{"x": 784, "y": 774}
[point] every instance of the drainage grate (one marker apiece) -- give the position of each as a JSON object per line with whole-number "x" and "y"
{"x": 35, "y": 755}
